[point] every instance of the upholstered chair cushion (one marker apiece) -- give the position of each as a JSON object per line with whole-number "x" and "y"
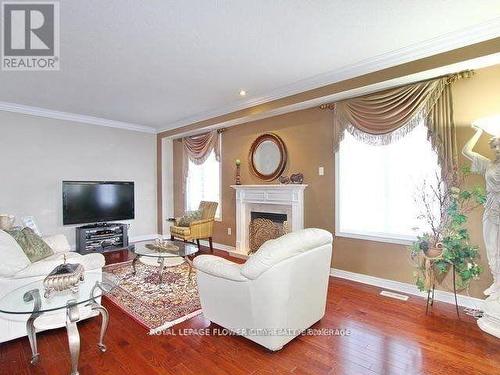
{"x": 180, "y": 231}
{"x": 287, "y": 246}
{"x": 13, "y": 257}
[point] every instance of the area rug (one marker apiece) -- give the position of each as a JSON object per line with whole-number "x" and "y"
{"x": 154, "y": 304}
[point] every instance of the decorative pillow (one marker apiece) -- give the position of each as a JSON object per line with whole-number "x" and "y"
{"x": 33, "y": 245}
{"x": 188, "y": 218}
{"x": 12, "y": 255}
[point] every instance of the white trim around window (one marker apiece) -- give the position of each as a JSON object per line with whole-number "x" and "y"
{"x": 219, "y": 217}
{"x": 384, "y": 185}
{"x": 377, "y": 237}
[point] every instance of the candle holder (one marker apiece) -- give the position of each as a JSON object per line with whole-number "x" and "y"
{"x": 238, "y": 177}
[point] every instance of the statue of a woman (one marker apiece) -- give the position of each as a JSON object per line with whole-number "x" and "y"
{"x": 491, "y": 219}
{"x": 490, "y": 321}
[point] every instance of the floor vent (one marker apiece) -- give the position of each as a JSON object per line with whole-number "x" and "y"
{"x": 401, "y": 297}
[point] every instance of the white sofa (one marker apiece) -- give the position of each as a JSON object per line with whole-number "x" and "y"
{"x": 16, "y": 271}
{"x": 280, "y": 291}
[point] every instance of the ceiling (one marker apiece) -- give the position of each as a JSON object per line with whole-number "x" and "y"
{"x": 164, "y": 64}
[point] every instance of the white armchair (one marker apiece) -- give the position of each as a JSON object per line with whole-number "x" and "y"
{"x": 16, "y": 271}
{"x": 280, "y": 291}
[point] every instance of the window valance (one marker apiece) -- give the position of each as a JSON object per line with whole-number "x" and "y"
{"x": 386, "y": 116}
{"x": 198, "y": 148}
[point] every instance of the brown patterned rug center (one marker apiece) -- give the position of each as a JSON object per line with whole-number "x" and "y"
{"x": 154, "y": 304}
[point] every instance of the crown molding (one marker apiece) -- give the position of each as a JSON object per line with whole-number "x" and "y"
{"x": 67, "y": 116}
{"x": 473, "y": 64}
{"x": 444, "y": 43}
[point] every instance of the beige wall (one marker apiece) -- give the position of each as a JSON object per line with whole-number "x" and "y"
{"x": 39, "y": 153}
{"x": 308, "y": 137}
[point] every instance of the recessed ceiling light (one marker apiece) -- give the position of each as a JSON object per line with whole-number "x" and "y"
{"x": 243, "y": 92}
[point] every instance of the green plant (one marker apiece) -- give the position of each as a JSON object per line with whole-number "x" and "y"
{"x": 448, "y": 230}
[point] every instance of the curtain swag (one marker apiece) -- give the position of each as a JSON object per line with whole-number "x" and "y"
{"x": 384, "y": 117}
{"x": 198, "y": 148}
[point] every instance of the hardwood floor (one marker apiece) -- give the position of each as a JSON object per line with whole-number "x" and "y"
{"x": 387, "y": 336}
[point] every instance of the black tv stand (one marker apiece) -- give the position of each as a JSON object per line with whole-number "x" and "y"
{"x": 98, "y": 225}
{"x": 101, "y": 238}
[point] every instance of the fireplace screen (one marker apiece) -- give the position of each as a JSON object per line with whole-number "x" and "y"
{"x": 266, "y": 226}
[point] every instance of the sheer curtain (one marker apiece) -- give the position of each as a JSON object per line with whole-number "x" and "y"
{"x": 377, "y": 185}
{"x": 203, "y": 183}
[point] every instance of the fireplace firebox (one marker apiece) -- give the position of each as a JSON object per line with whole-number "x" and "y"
{"x": 266, "y": 226}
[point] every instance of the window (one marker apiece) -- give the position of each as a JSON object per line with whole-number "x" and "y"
{"x": 376, "y": 186}
{"x": 203, "y": 184}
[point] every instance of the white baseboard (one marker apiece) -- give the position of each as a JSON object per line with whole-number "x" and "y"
{"x": 230, "y": 249}
{"x": 442, "y": 296}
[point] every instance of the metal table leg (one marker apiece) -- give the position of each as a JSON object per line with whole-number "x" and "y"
{"x": 190, "y": 264}
{"x": 104, "y": 315}
{"x": 104, "y": 325}
{"x": 72, "y": 316}
{"x": 133, "y": 264}
{"x": 33, "y": 295}
{"x": 161, "y": 262}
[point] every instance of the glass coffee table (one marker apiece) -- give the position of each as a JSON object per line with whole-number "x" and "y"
{"x": 161, "y": 258}
{"x": 31, "y": 300}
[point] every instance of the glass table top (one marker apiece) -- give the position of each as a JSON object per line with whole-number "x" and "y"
{"x": 24, "y": 299}
{"x": 184, "y": 249}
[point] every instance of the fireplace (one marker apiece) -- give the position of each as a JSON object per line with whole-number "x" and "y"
{"x": 265, "y": 226}
{"x": 267, "y": 211}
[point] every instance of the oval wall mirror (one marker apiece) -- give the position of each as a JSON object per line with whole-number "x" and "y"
{"x": 267, "y": 158}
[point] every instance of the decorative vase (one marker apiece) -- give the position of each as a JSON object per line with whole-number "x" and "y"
{"x": 284, "y": 180}
{"x": 297, "y": 178}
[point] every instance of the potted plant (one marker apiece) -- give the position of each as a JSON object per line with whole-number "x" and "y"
{"x": 446, "y": 203}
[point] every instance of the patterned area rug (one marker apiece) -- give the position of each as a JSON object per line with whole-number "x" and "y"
{"x": 154, "y": 304}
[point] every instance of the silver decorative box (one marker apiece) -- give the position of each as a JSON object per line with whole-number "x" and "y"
{"x": 65, "y": 276}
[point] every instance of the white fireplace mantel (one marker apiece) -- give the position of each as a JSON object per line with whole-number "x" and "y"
{"x": 284, "y": 198}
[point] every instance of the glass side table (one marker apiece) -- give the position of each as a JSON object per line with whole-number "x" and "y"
{"x": 183, "y": 252}
{"x": 30, "y": 300}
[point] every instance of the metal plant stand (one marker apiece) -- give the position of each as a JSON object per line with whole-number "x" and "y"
{"x": 430, "y": 295}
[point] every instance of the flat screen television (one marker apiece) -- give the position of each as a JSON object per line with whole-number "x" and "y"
{"x": 87, "y": 202}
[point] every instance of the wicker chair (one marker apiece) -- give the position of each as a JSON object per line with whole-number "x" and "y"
{"x": 199, "y": 229}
